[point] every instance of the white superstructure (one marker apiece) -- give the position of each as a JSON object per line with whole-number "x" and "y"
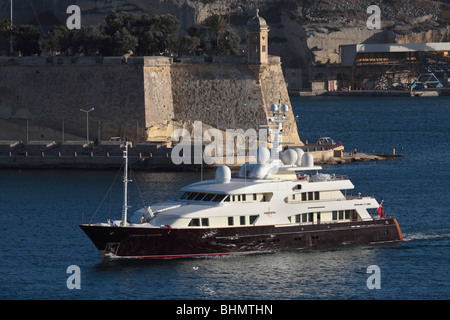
{"x": 284, "y": 188}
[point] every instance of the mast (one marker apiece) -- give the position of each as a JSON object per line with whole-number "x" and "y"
{"x": 279, "y": 115}
{"x": 125, "y": 186}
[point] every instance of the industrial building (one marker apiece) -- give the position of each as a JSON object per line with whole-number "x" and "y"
{"x": 396, "y": 66}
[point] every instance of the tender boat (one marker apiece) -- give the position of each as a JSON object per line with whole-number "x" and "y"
{"x": 280, "y": 202}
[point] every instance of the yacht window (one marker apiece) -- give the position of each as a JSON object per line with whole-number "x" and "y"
{"x": 310, "y": 195}
{"x": 194, "y": 223}
{"x": 297, "y": 218}
{"x": 334, "y": 215}
{"x": 218, "y": 197}
{"x": 318, "y": 217}
{"x": 341, "y": 214}
{"x": 304, "y": 217}
{"x": 316, "y": 195}
{"x": 205, "y": 222}
{"x": 185, "y": 195}
{"x": 227, "y": 199}
{"x": 244, "y": 197}
{"x": 304, "y": 196}
{"x": 347, "y": 214}
{"x": 253, "y": 219}
{"x": 208, "y": 197}
{"x": 242, "y": 220}
{"x": 310, "y": 217}
{"x": 297, "y": 187}
{"x": 254, "y": 197}
{"x": 192, "y": 196}
{"x": 231, "y": 221}
{"x": 200, "y": 196}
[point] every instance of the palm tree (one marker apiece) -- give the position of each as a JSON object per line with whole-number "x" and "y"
{"x": 216, "y": 25}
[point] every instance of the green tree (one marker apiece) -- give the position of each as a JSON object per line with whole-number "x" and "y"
{"x": 88, "y": 41}
{"x": 54, "y": 42}
{"x": 229, "y": 43}
{"x": 189, "y": 45}
{"x": 26, "y": 40}
{"x": 116, "y": 22}
{"x": 119, "y": 43}
{"x": 216, "y": 25}
{"x": 140, "y": 27}
{"x": 5, "y": 28}
{"x": 165, "y": 29}
{"x": 140, "y": 34}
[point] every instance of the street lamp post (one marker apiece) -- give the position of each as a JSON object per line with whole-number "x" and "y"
{"x": 11, "y": 29}
{"x": 87, "y": 123}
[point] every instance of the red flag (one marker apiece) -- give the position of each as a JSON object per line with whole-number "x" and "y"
{"x": 380, "y": 210}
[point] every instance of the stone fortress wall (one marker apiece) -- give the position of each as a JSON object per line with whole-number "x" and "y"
{"x": 131, "y": 96}
{"x": 141, "y": 98}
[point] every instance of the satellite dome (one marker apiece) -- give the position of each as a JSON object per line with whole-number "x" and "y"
{"x": 262, "y": 155}
{"x": 274, "y": 108}
{"x": 307, "y": 160}
{"x": 223, "y": 174}
{"x": 261, "y": 171}
{"x": 284, "y": 108}
{"x": 288, "y": 157}
{"x": 300, "y": 153}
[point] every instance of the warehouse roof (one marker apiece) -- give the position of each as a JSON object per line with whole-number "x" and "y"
{"x": 348, "y": 52}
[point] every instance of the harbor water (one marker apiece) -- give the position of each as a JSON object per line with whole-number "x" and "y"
{"x": 40, "y": 211}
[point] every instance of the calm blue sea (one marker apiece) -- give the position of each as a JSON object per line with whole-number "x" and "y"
{"x": 40, "y": 212}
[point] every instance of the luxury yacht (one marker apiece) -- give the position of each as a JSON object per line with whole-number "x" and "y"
{"x": 280, "y": 202}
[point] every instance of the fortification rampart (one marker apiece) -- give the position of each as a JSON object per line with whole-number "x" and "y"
{"x": 41, "y": 98}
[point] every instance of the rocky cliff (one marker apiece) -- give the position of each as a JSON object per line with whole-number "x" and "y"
{"x": 302, "y": 32}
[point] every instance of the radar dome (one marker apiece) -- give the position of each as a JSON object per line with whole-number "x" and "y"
{"x": 262, "y": 155}
{"x": 307, "y": 160}
{"x": 261, "y": 171}
{"x": 288, "y": 157}
{"x": 300, "y": 153}
{"x": 223, "y": 174}
{"x": 284, "y": 108}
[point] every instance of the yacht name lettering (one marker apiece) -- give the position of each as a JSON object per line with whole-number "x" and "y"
{"x": 193, "y": 310}
{"x": 269, "y": 213}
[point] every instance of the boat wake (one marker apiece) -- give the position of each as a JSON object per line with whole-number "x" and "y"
{"x": 439, "y": 234}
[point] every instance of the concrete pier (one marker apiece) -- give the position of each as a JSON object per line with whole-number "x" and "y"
{"x": 142, "y": 156}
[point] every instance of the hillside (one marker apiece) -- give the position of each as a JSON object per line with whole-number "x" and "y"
{"x": 302, "y": 32}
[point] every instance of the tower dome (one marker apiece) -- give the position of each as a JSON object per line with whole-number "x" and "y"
{"x": 257, "y": 32}
{"x": 257, "y": 21}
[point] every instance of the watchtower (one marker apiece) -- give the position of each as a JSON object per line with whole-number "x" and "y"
{"x": 257, "y": 32}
